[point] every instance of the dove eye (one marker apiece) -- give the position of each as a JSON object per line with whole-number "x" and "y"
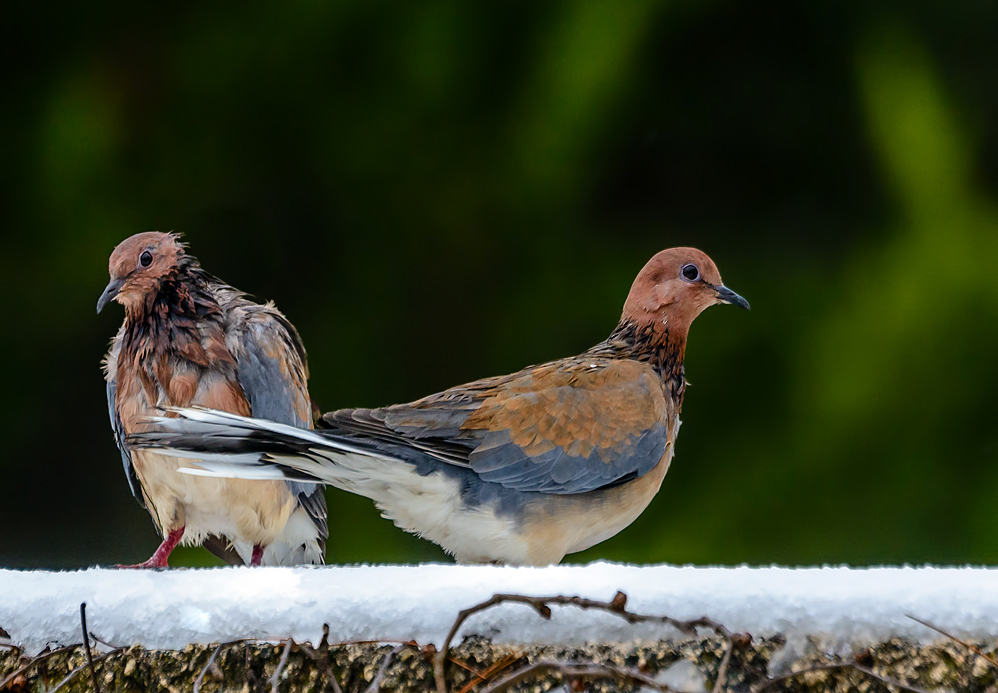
{"x": 145, "y": 259}
{"x": 690, "y": 272}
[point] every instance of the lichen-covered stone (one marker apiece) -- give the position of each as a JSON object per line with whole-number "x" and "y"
{"x": 248, "y": 667}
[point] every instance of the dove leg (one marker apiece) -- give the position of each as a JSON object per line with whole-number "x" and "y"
{"x": 257, "y": 558}
{"x": 161, "y": 556}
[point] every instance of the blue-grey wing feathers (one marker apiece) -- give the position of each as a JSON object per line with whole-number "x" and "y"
{"x": 119, "y": 440}
{"x": 268, "y": 380}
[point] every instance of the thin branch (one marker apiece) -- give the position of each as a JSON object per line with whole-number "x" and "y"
{"x": 464, "y": 665}
{"x": 69, "y": 677}
{"x": 722, "y": 671}
{"x": 34, "y": 661}
{"x": 889, "y": 681}
{"x": 840, "y": 665}
{"x": 386, "y": 641}
{"x": 80, "y": 668}
{"x": 375, "y": 686}
{"x": 321, "y": 657}
{"x": 251, "y": 680}
{"x": 542, "y": 605}
{"x": 577, "y": 671}
{"x": 496, "y": 667}
{"x": 200, "y": 678}
{"x": 211, "y": 660}
{"x": 973, "y": 648}
{"x": 769, "y": 683}
{"x": 276, "y": 678}
{"x": 324, "y": 643}
{"x": 86, "y": 646}
{"x": 105, "y": 643}
{"x": 323, "y": 665}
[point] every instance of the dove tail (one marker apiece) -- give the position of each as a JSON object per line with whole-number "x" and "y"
{"x": 228, "y": 445}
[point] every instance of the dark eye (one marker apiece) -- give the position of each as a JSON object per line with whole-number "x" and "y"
{"x": 146, "y": 259}
{"x": 690, "y": 272}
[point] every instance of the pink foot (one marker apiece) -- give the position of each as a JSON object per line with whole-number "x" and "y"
{"x": 161, "y": 557}
{"x": 257, "y": 558}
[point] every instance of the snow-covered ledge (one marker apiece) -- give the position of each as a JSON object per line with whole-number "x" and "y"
{"x": 171, "y": 609}
{"x": 832, "y": 612}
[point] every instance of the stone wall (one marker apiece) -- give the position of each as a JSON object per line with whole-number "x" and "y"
{"x": 477, "y": 665}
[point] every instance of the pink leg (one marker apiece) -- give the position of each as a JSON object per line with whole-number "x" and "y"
{"x": 160, "y": 558}
{"x": 257, "y": 555}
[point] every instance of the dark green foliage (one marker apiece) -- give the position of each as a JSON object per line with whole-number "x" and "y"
{"x": 439, "y": 192}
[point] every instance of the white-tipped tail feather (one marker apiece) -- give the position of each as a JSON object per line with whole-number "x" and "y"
{"x": 216, "y": 419}
{"x": 227, "y": 445}
{"x": 211, "y": 439}
{"x": 235, "y": 467}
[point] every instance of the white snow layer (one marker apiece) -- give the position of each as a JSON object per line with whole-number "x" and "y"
{"x": 841, "y": 607}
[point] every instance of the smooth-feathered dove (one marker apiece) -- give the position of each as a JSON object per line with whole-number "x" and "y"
{"x": 519, "y": 469}
{"x": 189, "y": 340}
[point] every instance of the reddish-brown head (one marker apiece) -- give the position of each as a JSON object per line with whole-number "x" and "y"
{"x": 138, "y": 266}
{"x": 674, "y": 287}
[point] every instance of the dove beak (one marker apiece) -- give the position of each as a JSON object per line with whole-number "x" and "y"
{"x": 726, "y": 295}
{"x": 112, "y": 290}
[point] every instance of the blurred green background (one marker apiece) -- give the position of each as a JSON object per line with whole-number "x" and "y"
{"x": 436, "y": 192}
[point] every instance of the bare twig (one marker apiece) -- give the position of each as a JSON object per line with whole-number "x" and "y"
{"x": 973, "y": 648}
{"x": 386, "y": 641}
{"x": 324, "y": 642}
{"x": 69, "y": 677}
{"x": 375, "y": 686}
{"x": 496, "y": 667}
{"x": 276, "y": 678}
{"x": 722, "y": 671}
{"x": 769, "y": 683}
{"x": 86, "y": 646}
{"x": 577, "y": 671}
{"x": 105, "y": 643}
{"x": 251, "y": 680}
{"x": 323, "y": 665}
{"x": 542, "y": 605}
{"x": 214, "y": 655}
{"x": 464, "y": 665}
{"x": 889, "y": 681}
{"x": 77, "y": 670}
{"x": 321, "y": 657}
{"x": 37, "y": 660}
{"x": 840, "y": 665}
{"x": 200, "y": 678}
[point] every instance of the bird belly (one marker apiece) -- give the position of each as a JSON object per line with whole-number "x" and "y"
{"x": 431, "y": 506}
{"x": 297, "y": 544}
{"x": 246, "y": 511}
{"x": 566, "y": 524}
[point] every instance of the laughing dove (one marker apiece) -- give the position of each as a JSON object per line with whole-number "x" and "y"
{"x": 518, "y": 469}
{"x": 187, "y": 340}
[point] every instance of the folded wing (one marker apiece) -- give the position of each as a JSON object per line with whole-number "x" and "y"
{"x": 561, "y": 428}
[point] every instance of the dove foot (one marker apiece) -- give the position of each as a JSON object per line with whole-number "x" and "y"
{"x": 161, "y": 557}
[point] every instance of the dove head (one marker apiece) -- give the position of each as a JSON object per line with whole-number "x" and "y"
{"x": 138, "y": 267}
{"x": 673, "y": 288}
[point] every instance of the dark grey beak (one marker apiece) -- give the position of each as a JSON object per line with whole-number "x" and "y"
{"x": 112, "y": 290}
{"x": 726, "y": 295}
